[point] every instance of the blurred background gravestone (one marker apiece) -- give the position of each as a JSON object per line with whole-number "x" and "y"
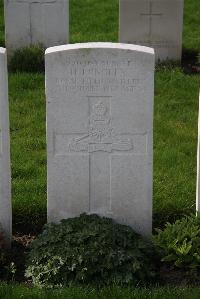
{"x": 153, "y": 23}
{"x": 36, "y": 22}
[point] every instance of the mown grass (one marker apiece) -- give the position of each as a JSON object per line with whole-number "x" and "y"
{"x": 175, "y": 122}
{"x": 175, "y": 143}
{"x": 94, "y": 20}
{"x": 28, "y": 149}
{"x": 191, "y": 37}
{"x": 20, "y": 291}
{"x": 175, "y": 139}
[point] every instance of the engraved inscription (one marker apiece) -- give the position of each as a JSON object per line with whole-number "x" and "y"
{"x": 101, "y": 135}
{"x": 95, "y": 76}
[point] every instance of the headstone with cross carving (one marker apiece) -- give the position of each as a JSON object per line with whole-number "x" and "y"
{"x": 153, "y": 23}
{"x": 36, "y": 22}
{"x": 99, "y": 130}
{"x": 5, "y": 177}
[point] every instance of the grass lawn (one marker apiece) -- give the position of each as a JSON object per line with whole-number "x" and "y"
{"x": 20, "y": 291}
{"x": 175, "y": 121}
{"x": 175, "y": 142}
{"x": 176, "y": 108}
{"x": 175, "y": 125}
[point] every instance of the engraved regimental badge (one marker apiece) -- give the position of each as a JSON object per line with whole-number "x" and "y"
{"x": 101, "y": 135}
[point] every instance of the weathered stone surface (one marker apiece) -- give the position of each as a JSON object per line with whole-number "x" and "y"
{"x": 33, "y": 22}
{"x": 198, "y": 165}
{"x": 153, "y": 23}
{"x": 5, "y": 176}
{"x": 99, "y": 130}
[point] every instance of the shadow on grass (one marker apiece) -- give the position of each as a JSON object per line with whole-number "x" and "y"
{"x": 170, "y": 215}
{"x": 191, "y": 61}
{"x": 28, "y": 59}
{"x": 29, "y": 222}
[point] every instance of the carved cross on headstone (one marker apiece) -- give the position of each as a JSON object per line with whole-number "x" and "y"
{"x": 31, "y": 3}
{"x": 151, "y": 15}
{"x": 101, "y": 142}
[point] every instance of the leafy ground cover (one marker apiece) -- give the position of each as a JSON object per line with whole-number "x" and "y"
{"x": 90, "y": 250}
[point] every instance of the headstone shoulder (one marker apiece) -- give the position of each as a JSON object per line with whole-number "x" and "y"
{"x": 100, "y": 45}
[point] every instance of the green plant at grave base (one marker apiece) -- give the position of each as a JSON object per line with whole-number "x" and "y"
{"x": 89, "y": 249}
{"x": 28, "y": 59}
{"x": 179, "y": 243}
{"x": 7, "y": 268}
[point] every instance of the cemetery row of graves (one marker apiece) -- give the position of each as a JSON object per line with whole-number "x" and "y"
{"x": 103, "y": 143}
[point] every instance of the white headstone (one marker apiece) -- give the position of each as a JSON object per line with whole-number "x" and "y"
{"x": 198, "y": 165}
{"x": 99, "y": 128}
{"x": 153, "y": 23}
{"x": 34, "y": 22}
{"x": 5, "y": 176}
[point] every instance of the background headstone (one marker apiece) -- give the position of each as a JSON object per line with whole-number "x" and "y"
{"x": 153, "y": 23}
{"x": 33, "y": 22}
{"x": 99, "y": 132}
{"x": 5, "y": 176}
{"x": 198, "y": 165}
